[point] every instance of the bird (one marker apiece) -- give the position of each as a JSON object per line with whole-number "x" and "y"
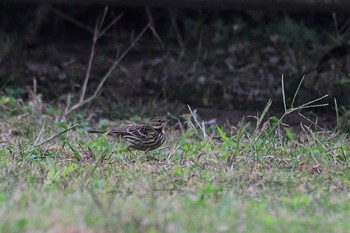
{"x": 141, "y": 136}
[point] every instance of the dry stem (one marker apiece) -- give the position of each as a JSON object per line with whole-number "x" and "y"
{"x": 98, "y": 32}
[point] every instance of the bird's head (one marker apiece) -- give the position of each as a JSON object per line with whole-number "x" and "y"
{"x": 159, "y": 123}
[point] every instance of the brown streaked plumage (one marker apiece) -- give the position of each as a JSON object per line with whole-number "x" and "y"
{"x": 142, "y": 136}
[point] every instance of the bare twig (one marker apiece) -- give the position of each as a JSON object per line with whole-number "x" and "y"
{"x": 55, "y": 136}
{"x": 177, "y": 30}
{"x": 98, "y": 32}
{"x": 102, "y": 18}
{"x": 96, "y": 36}
{"x": 114, "y": 21}
{"x": 152, "y": 27}
{"x": 91, "y": 58}
{"x": 70, "y": 19}
{"x": 83, "y": 101}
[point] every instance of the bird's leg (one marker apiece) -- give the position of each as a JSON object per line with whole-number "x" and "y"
{"x": 149, "y": 156}
{"x": 131, "y": 152}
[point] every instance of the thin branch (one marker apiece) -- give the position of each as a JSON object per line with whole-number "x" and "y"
{"x": 152, "y": 27}
{"x": 114, "y": 21}
{"x": 117, "y": 61}
{"x": 108, "y": 73}
{"x": 91, "y": 58}
{"x": 102, "y": 18}
{"x": 55, "y": 136}
{"x": 177, "y": 30}
{"x": 98, "y": 32}
{"x": 70, "y": 19}
{"x": 96, "y": 36}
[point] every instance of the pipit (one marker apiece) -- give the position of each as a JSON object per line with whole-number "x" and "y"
{"x": 144, "y": 137}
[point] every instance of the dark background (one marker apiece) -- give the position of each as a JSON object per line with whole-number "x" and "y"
{"x": 214, "y": 59}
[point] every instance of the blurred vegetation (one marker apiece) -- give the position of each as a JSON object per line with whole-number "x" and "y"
{"x": 218, "y": 59}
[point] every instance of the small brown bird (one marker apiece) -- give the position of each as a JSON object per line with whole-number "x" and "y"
{"x": 142, "y": 136}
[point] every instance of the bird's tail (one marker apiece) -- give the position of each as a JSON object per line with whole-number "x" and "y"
{"x": 96, "y": 131}
{"x": 114, "y": 133}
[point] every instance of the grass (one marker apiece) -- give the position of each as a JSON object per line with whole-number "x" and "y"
{"x": 265, "y": 179}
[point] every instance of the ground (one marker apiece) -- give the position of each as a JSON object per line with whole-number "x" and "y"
{"x": 58, "y": 178}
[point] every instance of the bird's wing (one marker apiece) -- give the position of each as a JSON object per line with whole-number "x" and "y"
{"x": 141, "y": 131}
